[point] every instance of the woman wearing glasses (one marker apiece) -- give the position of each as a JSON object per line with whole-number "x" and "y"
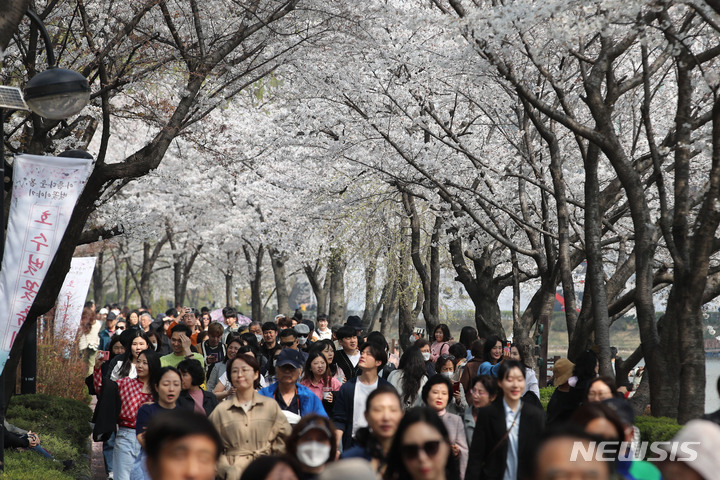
{"x": 421, "y": 449}
{"x": 483, "y": 391}
{"x": 507, "y": 433}
{"x": 249, "y": 424}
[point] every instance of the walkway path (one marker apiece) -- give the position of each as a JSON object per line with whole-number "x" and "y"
{"x": 97, "y": 464}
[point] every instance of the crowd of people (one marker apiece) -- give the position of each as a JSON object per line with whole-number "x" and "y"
{"x": 183, "y": 396}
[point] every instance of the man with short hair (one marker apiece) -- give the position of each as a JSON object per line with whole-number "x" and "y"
{"x": 109, "y": 330}
{"x": 349, "y": 409}
{"x": 554, "y": 457}
{"x": 269, "y": 346}
{"x": 230, "y": 315}
{"x": 181, "y": 444}
{"x": 212, "y": 349}
{"x": 145, "y": 322}
{"x": 348, "y": 356}
{"x": 256, "y": 329}
{"x": 180, "y": 344}
{"x": 294, "y": 399}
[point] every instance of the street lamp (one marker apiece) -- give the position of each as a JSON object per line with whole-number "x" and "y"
{"x": 56, "y": 94}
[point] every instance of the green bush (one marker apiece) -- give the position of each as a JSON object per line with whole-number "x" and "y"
{"x": 657, "y": 429}
{"x": 31, "y": 466}
{"x": 545, "y": 394}
{"x": 65, "y": 418}
{"x": 64, "y": 428}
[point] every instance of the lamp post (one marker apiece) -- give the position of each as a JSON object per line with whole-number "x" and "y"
{"x": 56, "y": 94}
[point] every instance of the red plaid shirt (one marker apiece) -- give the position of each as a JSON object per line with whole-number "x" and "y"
{"x": 131, "y": 397}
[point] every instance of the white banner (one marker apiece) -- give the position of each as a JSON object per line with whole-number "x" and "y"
{"x": 73, "y": 293}
{"x": 45, "y": 190}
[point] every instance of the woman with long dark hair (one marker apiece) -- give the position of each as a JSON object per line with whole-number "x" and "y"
{"x": 507, "y": 433}
{"x": 531, "y": 381}
{"x": 327, "y": 347}
{"x": 424, "y": 347}
{"x": 421, "y": 449}
{"x": 410, "y": 377}
{"x": 133, "y": 393}
{"x": 136, "y": 341}
{"x": 383, "y": 413}
{"x": 318, "y": 378}
{"x": 492, "y": 356}
{"x": 467, "y": 336}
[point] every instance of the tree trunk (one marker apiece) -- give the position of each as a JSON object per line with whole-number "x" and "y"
{"x": 319, "y": 287}
{"x": 595, "y": 282}
{"x": 229, "y": 288}
{"x": 12, "y": 14}
{"x": 150, "y": 256}
{"x": 117, "y": 270}
{"x": 370, "y": 279}
{"x": 254, "y": 260}
{"x": 277, "y": 260}
{"x": 482, "y": 289}
{"x": 429, "y": 277}
{"x": 389, "y": 310}
{"x": 336, "y": 270}
{"x": 99, "y": 281}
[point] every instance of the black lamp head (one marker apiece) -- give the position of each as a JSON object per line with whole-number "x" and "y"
{"x": 57, "y": 93}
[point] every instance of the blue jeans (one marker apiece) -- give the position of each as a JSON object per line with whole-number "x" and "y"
{"x": 108, "y": 446}
{"x": 125, "y": 452}
{"x": 139, "y": 471}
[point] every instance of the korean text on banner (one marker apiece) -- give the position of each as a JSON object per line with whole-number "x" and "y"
{"x": 73, "y": 293}
{"x": 45, "y": 190}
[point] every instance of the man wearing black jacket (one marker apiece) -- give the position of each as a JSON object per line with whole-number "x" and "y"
{"x": 348, "y": 357}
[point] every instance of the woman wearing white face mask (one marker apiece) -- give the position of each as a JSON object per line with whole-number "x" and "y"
{"x": 312, "y": 444}
{"x": 445, "y": 366}
{"x": 424, "y": 347}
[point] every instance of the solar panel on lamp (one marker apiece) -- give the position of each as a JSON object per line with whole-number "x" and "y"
{"x": 11, "y": 97}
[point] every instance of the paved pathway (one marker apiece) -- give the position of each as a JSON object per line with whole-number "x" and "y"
{"x": 97, "y": 464}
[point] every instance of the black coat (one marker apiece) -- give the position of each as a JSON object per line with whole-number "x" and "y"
{"x": 186, "y": 402}
{"x": 486, "y": 464}
{"x": 107, "y": 411}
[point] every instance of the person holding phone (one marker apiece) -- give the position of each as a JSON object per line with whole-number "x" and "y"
{"x": 445, "y": 366}
{"x": 493, "y": 356}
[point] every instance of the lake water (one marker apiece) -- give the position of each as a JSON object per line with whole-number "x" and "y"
{"x": 712, "y": 372}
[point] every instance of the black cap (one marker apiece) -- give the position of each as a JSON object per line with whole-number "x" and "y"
{"x": 288, "y": 356}
{"x": 355, "y": 322}
{"x": 110, "y": 316}
{"x": 622, "y": 408}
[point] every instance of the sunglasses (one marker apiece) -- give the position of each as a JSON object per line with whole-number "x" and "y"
{"x": 287, "y": 344}
{"x": 411, "y": 451}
